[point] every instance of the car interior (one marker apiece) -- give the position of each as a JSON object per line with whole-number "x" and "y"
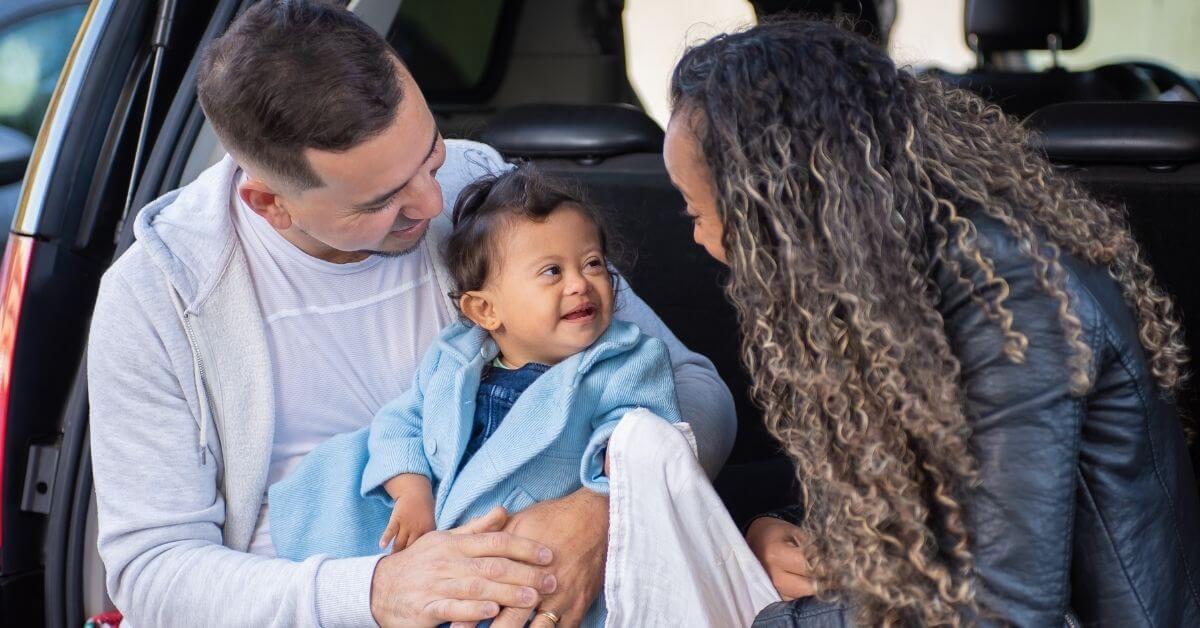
{"x": 545, "y": 81}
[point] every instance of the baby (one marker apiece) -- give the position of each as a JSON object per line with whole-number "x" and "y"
{"x": 511, "y": 406}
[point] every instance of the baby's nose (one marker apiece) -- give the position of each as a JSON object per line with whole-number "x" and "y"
{"x": 576, "y": 284}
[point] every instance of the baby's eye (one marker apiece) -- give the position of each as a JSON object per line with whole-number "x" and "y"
{"x": 551, "y": 271}
{"x": 594, "y": 264}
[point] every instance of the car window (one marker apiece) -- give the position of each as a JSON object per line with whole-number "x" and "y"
{"x": 32, "y": 53}
{"x": 930, "y": 33}
{"x": 657, "y": 33}
{"x": 1165, "y": 31}
{"x": 447, "y": 44}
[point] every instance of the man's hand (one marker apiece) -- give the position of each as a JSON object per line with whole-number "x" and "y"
{"x": 412, "y": 516}
{"x": 466, "y": 574}
{"x": 576, "y": 528}
{"x": 780, "y": 547}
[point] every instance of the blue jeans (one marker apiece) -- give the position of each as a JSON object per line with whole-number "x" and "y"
{"x": 498, "y": 391}
{"x": 805, "y": 612}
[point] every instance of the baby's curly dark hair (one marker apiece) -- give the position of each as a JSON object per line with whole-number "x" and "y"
{"x": 487, "y": 205}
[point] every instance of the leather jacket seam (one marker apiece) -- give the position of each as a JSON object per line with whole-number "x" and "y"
{"x": 1087, "y": 490}
{"x": 1094, "y": 333}
{"x": 1080, "y": 409}
{"x": 1154, "y": 459}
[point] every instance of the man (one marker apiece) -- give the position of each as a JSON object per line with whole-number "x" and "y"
{"x": 282, "y": 298}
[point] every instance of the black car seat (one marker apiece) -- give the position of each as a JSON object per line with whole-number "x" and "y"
{"x": 1144, "y": 156}
{"x": 615, "y": 152}
{"x": 1007, "y": 26}
{"x": 865, "y": 17}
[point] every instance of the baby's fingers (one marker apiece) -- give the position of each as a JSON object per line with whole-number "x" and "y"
{"x": 390, "y": 532}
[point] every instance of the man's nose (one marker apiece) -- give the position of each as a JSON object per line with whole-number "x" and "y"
{"x": 429, "y": 200}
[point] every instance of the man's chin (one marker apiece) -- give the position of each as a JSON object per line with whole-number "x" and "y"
{"x": 401, "y": 250}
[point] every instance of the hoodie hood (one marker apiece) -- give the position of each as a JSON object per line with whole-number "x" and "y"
{"x": 189, "y": 232}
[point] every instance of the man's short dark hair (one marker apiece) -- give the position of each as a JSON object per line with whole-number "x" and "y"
{"x": 295, "y": 74}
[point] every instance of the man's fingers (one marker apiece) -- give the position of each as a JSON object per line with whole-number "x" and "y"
{"x": 506, "y": 571}
{"x": 461, "y": 610}
{"x": 569, "y": 613}
{"x": 511, "y": 618}
{"x": 464, "y": 624}
{"x": 476, "y": 588}
{"x": 504, "y": 545}
{"x": 494, "y": 520}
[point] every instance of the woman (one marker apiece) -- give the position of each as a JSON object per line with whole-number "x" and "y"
{"x": 964, "y": 354}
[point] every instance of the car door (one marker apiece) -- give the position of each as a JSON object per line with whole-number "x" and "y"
{"x": 63, "y": 237}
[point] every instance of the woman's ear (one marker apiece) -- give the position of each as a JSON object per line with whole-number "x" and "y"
{"x": 476, "y": 306}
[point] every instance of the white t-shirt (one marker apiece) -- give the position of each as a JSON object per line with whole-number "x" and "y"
{"x": 344, "y": 339}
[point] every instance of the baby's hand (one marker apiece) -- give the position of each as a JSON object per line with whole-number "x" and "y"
{"x": 412, "y": 516}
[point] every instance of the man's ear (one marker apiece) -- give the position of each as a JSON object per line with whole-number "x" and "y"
{"x": 476, "y": 306}
{"x": 259, "y": 197}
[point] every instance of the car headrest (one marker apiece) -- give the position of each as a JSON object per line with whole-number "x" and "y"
{"x": 572, "y": 131}
{"x": 1026, "y": 24}
{"x": 1119, "y": 132}
{"x": 863, "y": 14}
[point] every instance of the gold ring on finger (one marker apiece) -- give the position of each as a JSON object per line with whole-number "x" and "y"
{"x": 551, "y": 615}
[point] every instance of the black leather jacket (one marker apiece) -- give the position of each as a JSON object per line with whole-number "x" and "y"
{"x": 1085, "y": 504}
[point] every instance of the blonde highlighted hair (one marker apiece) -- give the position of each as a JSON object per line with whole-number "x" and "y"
{"x": 839, "y": 181}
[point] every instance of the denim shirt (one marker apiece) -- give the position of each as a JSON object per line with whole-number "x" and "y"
{"x": 498, "y": 391}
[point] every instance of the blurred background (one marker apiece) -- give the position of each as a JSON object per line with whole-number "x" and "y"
{"x": 35, "y": 36}
{"x": 577, "y": 86}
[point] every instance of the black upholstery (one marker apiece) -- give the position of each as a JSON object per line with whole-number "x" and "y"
{"x": 992, "y": 26}
{"x": 1022, "y": 93}
{"x": 998, "y": 25}
{"x": 573, "y": 131}
{"x": 864, "y": 15}
{"x": 1131, "y": 133}
{"x": 1144, "y": 157}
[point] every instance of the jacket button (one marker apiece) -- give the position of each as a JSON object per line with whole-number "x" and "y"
{"x": 431, "y": 445}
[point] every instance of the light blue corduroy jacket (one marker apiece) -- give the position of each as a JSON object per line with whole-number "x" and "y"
{"x": 550, "y": 443}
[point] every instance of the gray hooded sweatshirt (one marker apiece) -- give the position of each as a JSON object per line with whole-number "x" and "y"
{"x": 182, "y": 420}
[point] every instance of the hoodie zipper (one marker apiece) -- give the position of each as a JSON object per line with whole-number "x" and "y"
{"x": 203, "y": 392}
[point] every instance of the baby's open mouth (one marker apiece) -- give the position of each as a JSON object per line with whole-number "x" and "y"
{"x": 587, "y": 310}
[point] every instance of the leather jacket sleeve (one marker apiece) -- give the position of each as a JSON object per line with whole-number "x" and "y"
{"x": 1025, "y": 431}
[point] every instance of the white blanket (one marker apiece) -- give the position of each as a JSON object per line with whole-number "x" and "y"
{"x": 675, "y": 557}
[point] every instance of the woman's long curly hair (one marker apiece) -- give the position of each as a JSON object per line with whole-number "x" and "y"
{"x": 839, "y": 180}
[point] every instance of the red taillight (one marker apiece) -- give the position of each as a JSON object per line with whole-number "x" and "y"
{"x": 13, "y": 274}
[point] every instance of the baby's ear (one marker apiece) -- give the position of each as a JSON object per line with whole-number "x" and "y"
{"x": 476, "y": 306}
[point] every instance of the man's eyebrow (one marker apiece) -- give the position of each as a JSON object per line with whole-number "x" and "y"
{"x": 383, "y": 198}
